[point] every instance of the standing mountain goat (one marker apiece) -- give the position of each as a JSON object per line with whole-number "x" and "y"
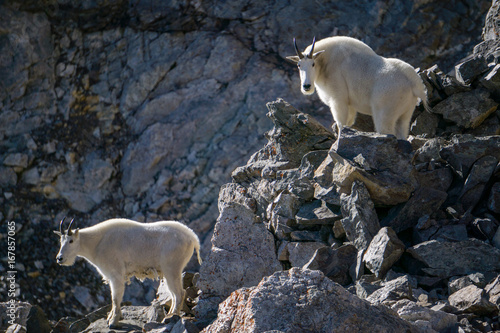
{"x": 350, "y": 77}
{"x": 120, "y": 249}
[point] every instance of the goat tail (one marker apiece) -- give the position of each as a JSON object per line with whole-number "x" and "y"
{"x": 418, "y": 89}
{"x": 197, "y": 248}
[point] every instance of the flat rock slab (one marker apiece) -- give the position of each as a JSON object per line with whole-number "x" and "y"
{"x": 445, "y": 259}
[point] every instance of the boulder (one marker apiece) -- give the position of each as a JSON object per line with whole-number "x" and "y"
{"x": 393, "y": 290}
{"x": 467, "y": 109}
{"x": 439, "y": 321}
{"x": 302, "y": 300}
{"x": 360, "y": 220}
{"x": 424, "y": 201}
{"x": 381, "y": 162}
{"x": 384, "y": 250}
{"x": 474, "y": 300}
{"x": 445, "y": 259}
{"x": 476, "y": 181}
{"x": 336, "y": 263}
{"x": 494, "y": 198}
{"x": 243, "y": 252}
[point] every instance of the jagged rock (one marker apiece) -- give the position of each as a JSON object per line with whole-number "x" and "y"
{"x": 424, "y": 201}
{"x": 464, "y": 151}
{"x": 484, "y": 228}
{"x": 445, "y": 259}
{"x": 360, "y": 220}
{"x": 472, "y": 299}
{"x": 494, "y": 198}
{"x": 281, "y": 213}
{"x": 439, "y": 321}
{"x": 366, "y": 285}
{"x": 438, "y": 179}
{"x": 455, "y": 232}
{"x": 242, "y": 253}
{"x": 493, "y": 290}
{"x": 425, "y": 124}
{"x": 491, "y": 81}
{"x": 382, "y": 162}
{"x": 300, "y": 253}
{"x": 393, "y": 290}
{"x": 467, "y": 109}
{"x": 384, "y": 250}
{"x": 334, "y": 263}
{"x": 477, "y": 279}
{"x": 476, "y": 181}
{"x": 472, "y": 68}
{"x": 316, "y": 212}
{"x": 279, "y": 303}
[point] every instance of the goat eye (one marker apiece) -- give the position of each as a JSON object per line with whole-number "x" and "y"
{"x": 70, "y": 241}
{"x": 313, "y": 64}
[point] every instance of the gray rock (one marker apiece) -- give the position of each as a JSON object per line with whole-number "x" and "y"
{"x": 393, "y": 290}
{"x": 445, "y": 259}
{"x": 479, "y": 175}
{"x": 425, "y": 201}
{"x": 445, "y": 233}
{"x": 334, "y": 263}
{"x": 425, "y": 124}
{"x": 292, "y": 300}
{"x": 494, "y": 198}
{"x": 381, "y": 162}
{"x": 384, "y": 250}
{"x": 457, "y": 283}
{"x": 464, "y": 151}
{"x": 471, "y": 69}
{"x": 493, "y": 290}
{"x": 243, "y": 252}
{"x": 439, "y": 321}
{"x": 472, "y": 299}
{"x": 491, "y": 81}
{"x": 366, "y": 285}
{"x": 360, "y": 220}
{"x": 316, "y": 212}
{"x": 300, "y": 253}
{"x": 467, "y": 109}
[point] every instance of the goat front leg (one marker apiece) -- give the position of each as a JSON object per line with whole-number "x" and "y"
{"x": 117, "y": 290}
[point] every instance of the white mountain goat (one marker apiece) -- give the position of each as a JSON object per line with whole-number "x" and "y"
{"x": 350, "y": 77}
{"x": 120, "y": 249}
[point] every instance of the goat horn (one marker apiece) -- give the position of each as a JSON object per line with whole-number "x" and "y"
{"x": 297, "y": 49}
{"x": 310, "y": 55}
{"x": 60, "y": 225}
{"x": 69, "y": 228}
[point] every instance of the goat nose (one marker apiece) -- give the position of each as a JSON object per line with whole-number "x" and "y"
{"x": 59, "y": 258}
{"x": 306, "y": 86}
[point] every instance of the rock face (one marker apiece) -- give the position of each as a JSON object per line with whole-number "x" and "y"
{"x": 145, "y": 109}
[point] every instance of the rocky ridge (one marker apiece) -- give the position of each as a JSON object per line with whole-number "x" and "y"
{"x": 96, "y": 154}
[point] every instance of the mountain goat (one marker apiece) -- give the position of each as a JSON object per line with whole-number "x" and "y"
{"x": 120, "y": 249}
{"x": 350, "y": 77}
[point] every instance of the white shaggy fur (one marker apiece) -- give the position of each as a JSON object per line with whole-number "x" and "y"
{"x": 120, "y": 249}
{"x": 350, "y": 77}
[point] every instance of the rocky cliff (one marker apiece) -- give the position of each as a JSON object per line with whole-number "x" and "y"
{"x": 143, "y": 109}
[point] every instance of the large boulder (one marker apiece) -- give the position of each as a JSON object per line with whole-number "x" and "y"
{"x": 302, "y": 301}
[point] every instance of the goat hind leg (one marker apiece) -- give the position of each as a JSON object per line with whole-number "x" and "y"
{"x": 117, "y": 290}
{"x": 174, "y": 284}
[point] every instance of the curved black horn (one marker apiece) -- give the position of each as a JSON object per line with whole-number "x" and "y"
{"x": 60, "y": 224}
{"x": 69, "y": 233}
{"x": 297, "y": 49}
{"x": 310, "y": 55}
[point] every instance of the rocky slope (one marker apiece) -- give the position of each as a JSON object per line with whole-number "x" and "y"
{"x": 121, "y": 108}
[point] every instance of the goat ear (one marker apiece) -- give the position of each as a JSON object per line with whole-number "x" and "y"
{"x": 316, "y": 54}
{"x": 75, "y": 232}
{"x": 57, "y": 233}
{"x": 293, "y": 59}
